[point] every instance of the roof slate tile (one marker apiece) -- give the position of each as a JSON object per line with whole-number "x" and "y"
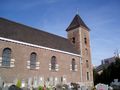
{"x": 20, "y": 32}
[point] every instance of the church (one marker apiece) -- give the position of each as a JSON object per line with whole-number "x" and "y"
{"x": 27, "y": 53}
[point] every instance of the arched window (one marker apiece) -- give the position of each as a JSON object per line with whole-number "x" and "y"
{"x": 33, "y": 60}
{"x": 6, "y": 57}
{"x": 73, "y": 64}
{"x": 53, "y": 63}
{"x": 86, "y": 52}
{"x": 85, "y": 40}
{"x": 88, "y": 76}
{"x": 73, "y": 40}
{"x": 87, "y": 64}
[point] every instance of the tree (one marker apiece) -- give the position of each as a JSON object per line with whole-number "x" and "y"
{"x": 109, "y": 74}
{"x": 95, "y": 77}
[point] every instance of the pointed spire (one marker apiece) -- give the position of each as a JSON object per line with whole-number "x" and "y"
{"x": 76, "y": 22}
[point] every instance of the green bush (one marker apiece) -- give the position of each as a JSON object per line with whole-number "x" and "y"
{"x": 18, "y": 83}
{"x": 40, "y": 88}
{"x": 48, "y": 88}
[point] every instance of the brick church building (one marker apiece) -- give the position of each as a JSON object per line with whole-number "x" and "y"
{"x": 28, "y": 53}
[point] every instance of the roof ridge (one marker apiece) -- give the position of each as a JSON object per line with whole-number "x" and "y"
{"x": 17, "y": 31}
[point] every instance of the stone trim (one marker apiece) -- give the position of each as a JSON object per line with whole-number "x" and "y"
{"x": 81, "y": 77}
{"x": 70, "y": 67}
{"x": 37, "y": 65}
{"x": 56, "y": 67}
{"x": 0, "y": 61}
{"x": 50, "y": 67}
{"x": 76, "y": 68}
{"x": 12, "y": 63}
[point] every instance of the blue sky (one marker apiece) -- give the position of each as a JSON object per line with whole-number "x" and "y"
{"x": 101, "y": 16}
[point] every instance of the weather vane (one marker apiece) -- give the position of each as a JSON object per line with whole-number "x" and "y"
{"x": 77, "y": 11}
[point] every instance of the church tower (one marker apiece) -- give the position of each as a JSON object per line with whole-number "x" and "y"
{"x": 78, "y": 35}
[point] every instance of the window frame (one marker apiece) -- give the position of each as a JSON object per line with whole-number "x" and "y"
{"x": 85, "y": 40}
{"x": 6, "y": 55}
{"x": 33, "y": 60}
{"x": 53, "y": 63}
{"x": 88, "y": 77}
{"x": 73, "y": 63}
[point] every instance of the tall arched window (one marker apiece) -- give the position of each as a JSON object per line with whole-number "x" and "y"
{"x": 33, "y": 60}
{"x": 87, "y": 64}
{"x": 6, "y": 57}
{"x": 88, "y": 76}
{"x": 85, "y": 38}
{"x": 73, "y": 64}
{"x": 53, "y": 63}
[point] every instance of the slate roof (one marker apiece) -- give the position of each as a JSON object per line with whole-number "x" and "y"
{"x": 106, "y": 63}
{"x": 76, "y": 22}
{"x": 20, "y": 32}
{"x": 101, "y": 67}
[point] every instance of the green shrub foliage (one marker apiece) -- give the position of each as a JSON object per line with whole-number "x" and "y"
{"x": 18, "y": 83}
{"x": 40, "y": 88}
{"x": 109, "y": 74}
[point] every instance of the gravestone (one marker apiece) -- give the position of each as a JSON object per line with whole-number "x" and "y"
{"x": 25, "y": 88}
{"x": 58, "y": 87}
{"x": 13, "y": 87}
{"x": 115, "y": 84}
{"x": 23, "y": 84}
{"x": 101, "y": 87}
{"x": 29, "y": 82}
{"x": 35, "y": 82}
{"x": 5, "y": 88}
{"x": 83, "y": 88}
{"x": 15, "y": 81}
{"x": 1, "y": 82}
{"x": 51, "y": 81}
{"x": 41, "y": 81}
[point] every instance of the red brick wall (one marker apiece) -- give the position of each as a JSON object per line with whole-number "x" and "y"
{"x": 79, "y": 34}
{"x": 21, "y": 54}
